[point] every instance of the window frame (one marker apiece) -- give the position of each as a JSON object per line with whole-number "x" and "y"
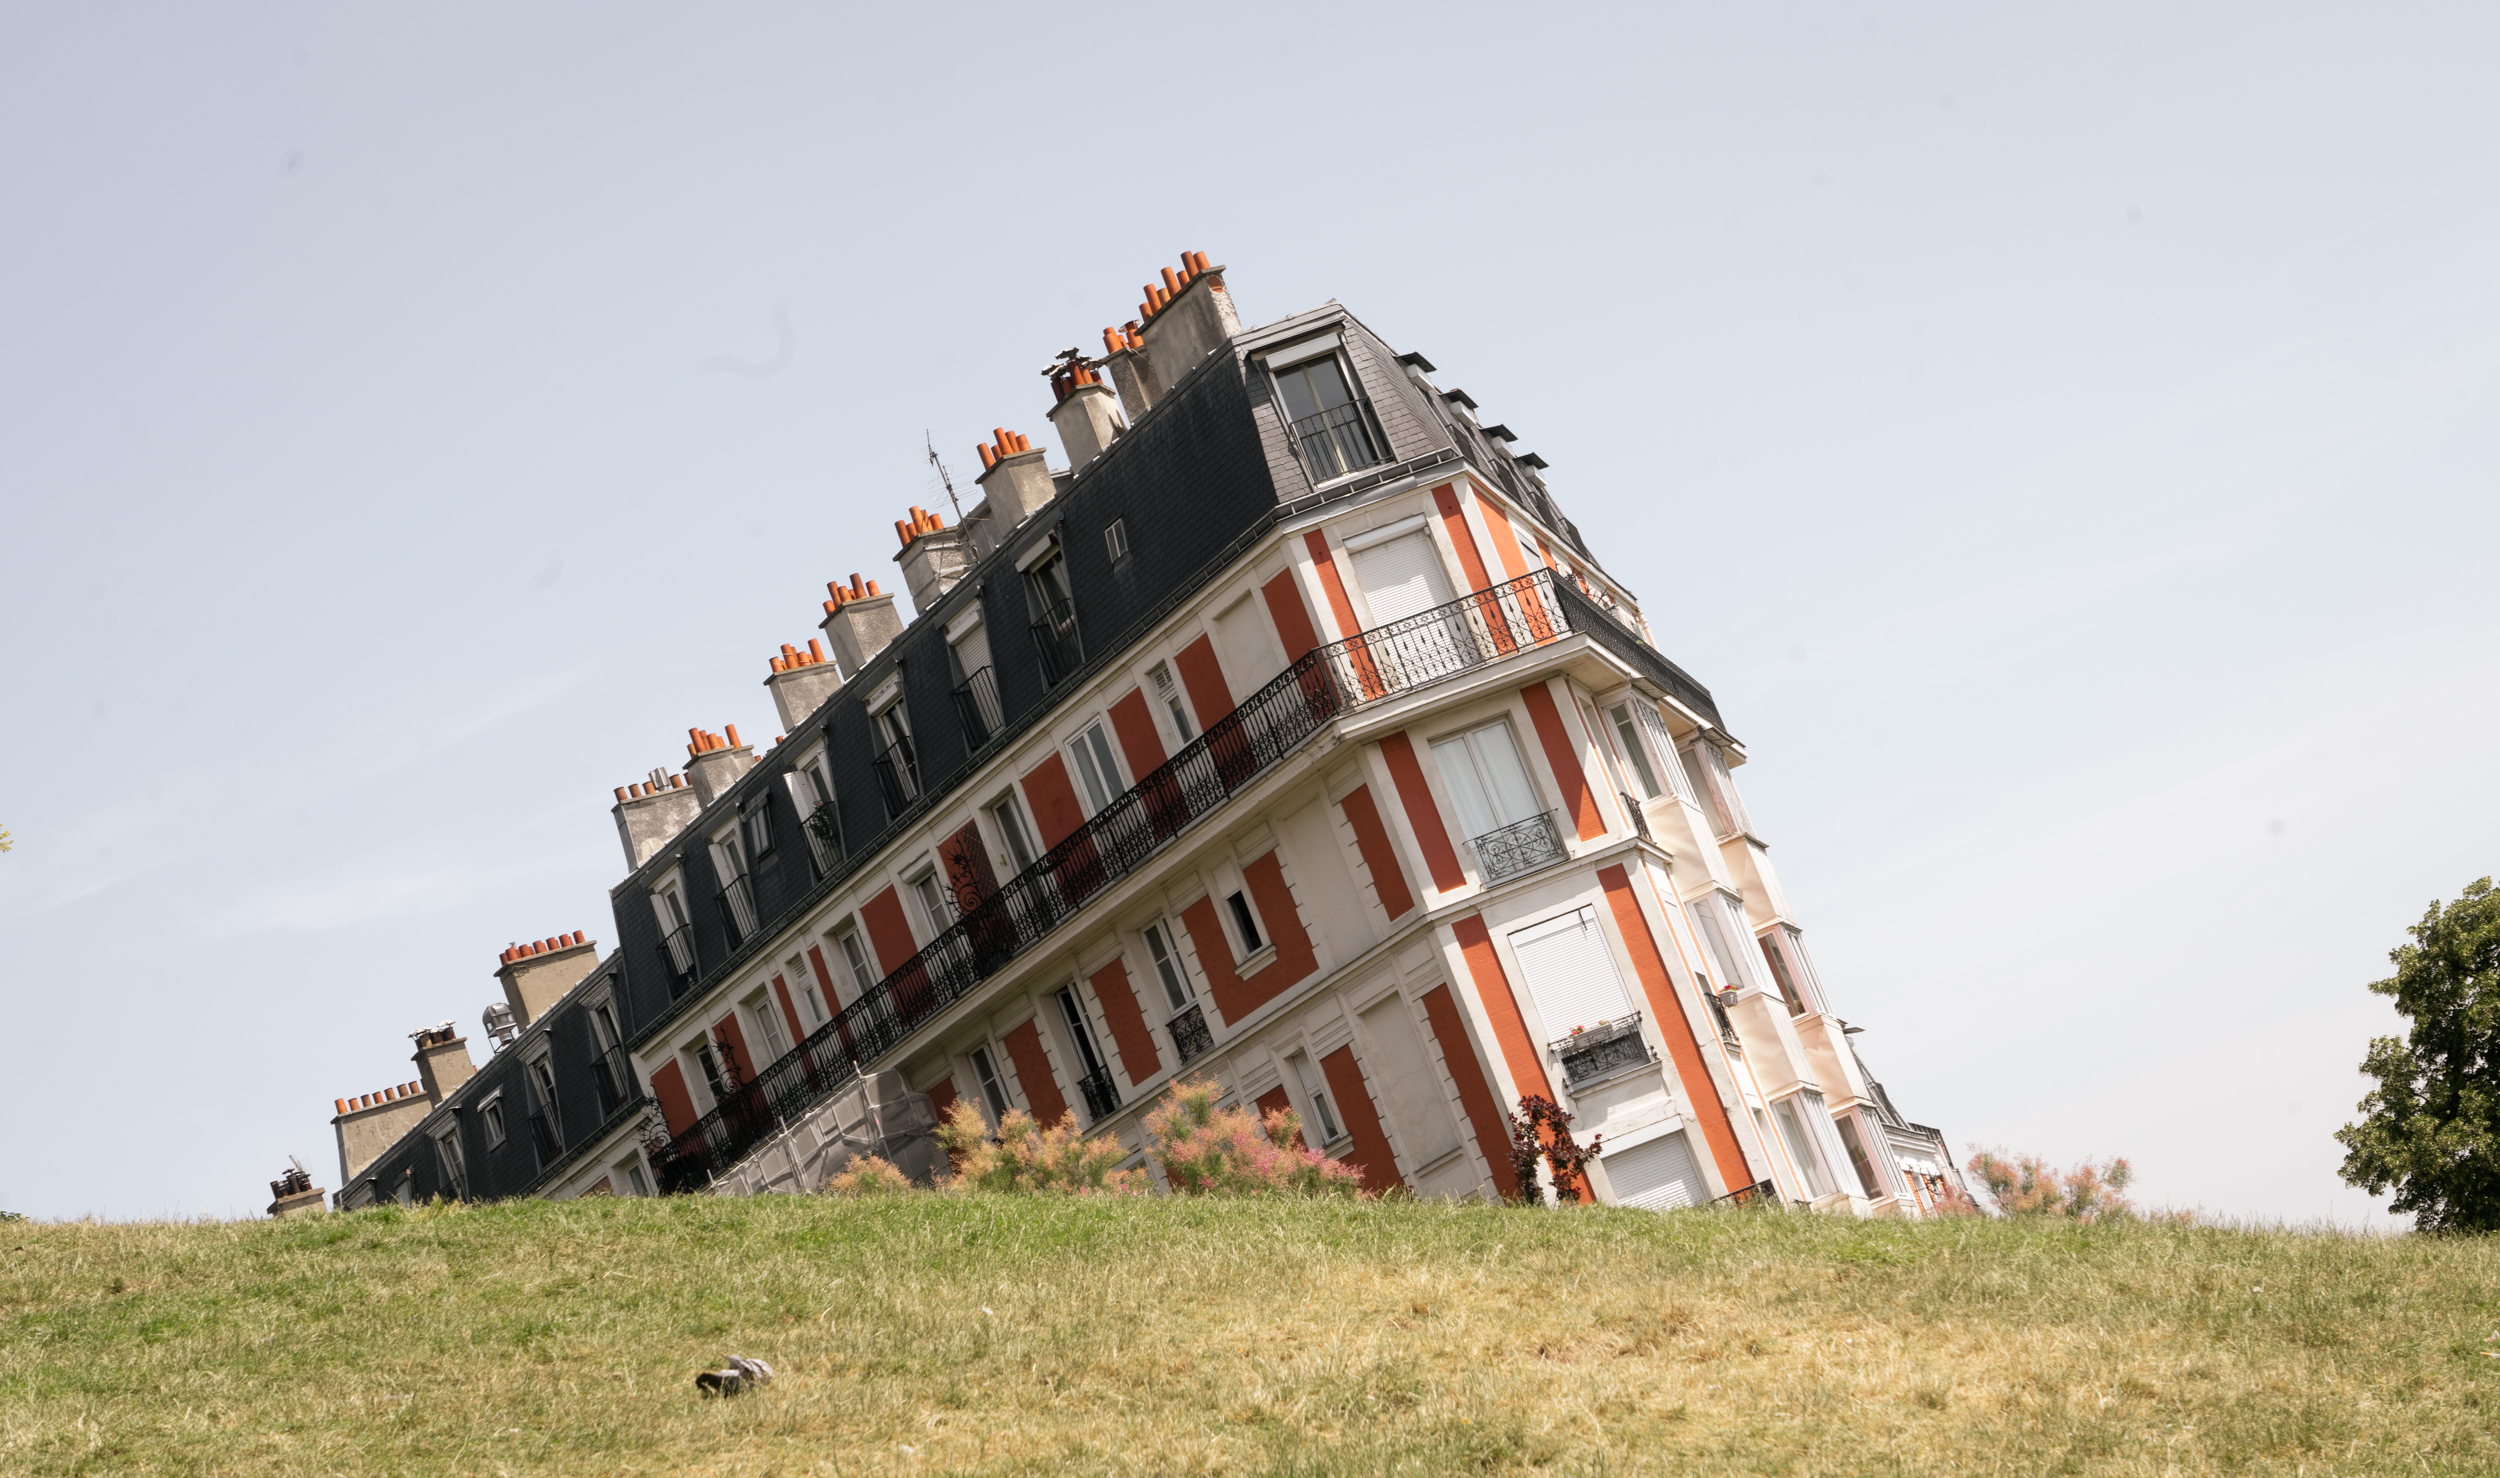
{"x": 1165, "y": 964}
{"x": 1016, "y": 836}
{"x": 993, "y": 1088}
{"x": 1115, "y": 540}
{"x": 1106, "y": 755}
{"x": 1313, "y": 1083}
{"x": 490, "y": 1119}
{"x": 1335, "y": 356}
{"x": 1241, "y": 917}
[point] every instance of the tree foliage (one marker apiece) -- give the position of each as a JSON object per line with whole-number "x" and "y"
{"x": 1541, "y": 1130}
{"x": 1025, "y": 1157}
{"x": 2026, "y": 1185}
{"x": 2430, "y": 1130}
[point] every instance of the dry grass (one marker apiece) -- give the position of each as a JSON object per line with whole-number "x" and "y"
{"x": 925, "y": 1334}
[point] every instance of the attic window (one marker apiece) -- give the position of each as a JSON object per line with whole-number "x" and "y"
{"x": 1115, "y": 539}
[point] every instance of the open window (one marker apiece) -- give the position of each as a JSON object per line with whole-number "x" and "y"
{"x": 1186, "y": 1023}
{"x": 1331, "y": 432}
{"x": 975, "y": 685}
{"x": 737, "y": 894}
{"x": 1507, "y": 829}
{"x": 546, "y": 1123}
{"x": 1101, "y": 1095}
{"x": 1051, "y": 607}
{"x": 811, "y": 791}
{"x": 897, "y": 763}
{"x": 993, "y": 1090}
{"x": 1007, "y": 814}
{"x": 668, "y": 905}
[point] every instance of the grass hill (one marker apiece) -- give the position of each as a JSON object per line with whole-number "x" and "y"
{"x": 930, "y": 1334}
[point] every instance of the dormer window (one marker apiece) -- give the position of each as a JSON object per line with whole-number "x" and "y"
{"x": 1053, "y": 610}
{"x": 897, "y": 764}
{"x": 1330, "y": 429}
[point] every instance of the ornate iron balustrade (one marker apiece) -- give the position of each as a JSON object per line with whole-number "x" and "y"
{"x": 1640, "y": 819}
{"x": 1760, "y": 1193}
{"x": 543, "y": 1136}
{"x": 737, "y": 909}
{"x": 824, "y": 837}
{"x": 1061, "y": 646}
{"x": 1603, "y": 1050}
{"x": 614, "y": 1075}
{"x": 1190, "y": 1037}
{"x": 1519, "y": 847}
{"x": 1102, "y": 1096}
{"x": 898, "y": 774}
{"x": 1233, "y": 752}
{"x": 1727, "y": 1028}
{"x": 677, "y": 951}
{"x": 976, "y": 704}
{"x": 1336, "y": 441}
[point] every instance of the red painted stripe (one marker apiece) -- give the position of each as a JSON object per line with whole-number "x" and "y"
{"x": 1041, "y": 1090}
{"x": 1292, "y": 617}
{"x": 888, "y": 932}
{"x": 1431, "y": 833}
{"x": 1275, "y": 1101}
{"x": 1340, "y": 607}
{"x": 1371, "y": 839}
{"x": 1051, "y": 797}
{"x": 1129, "y": 1032}
{"x": 1236, "y": 996}
{"x": 668, "y": 1085}
{"x": 740, "y": 1064}
{"x": 1675, "y": 1026}
{"x": 1140, "y": 745}
{"x": 1475, "y": 1093}
{"x": 1565, "y": 758}
{"x": 1203, "y": 676}
{"x": 1370, "y": 1154}
{"x": 789, "y": 1012}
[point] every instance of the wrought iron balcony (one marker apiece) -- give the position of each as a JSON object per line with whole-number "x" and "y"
{"x": 737, "y": 909}
{"x": 1234, "y": 752}
{"x": 614, "y": 1075}
{"x": 976, "y": 703}
{"x": 1337, "y": 441}
{"x": 824, "y": 837}
{"x": 1595, "y": 1053}
{"x": 898, "y": 774}
{"x": 1102, "y": 1096}
{"x": 1519, "y": 847}
{"x": 1190, "y": 1037}
{"x": 677, "y": 953}
{"x": 1760, "y": 1193}
{"x": 1056, "y": 639}
{"x": 1640, "y": 818}
{"x": 1727, "y": 1028}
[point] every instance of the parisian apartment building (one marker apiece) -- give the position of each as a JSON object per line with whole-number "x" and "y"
{"x": 1289, "y": 736}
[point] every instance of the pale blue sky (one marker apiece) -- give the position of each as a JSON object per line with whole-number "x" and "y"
{"x": 2065, "y": 446}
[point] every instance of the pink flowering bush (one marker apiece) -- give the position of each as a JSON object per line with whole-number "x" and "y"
{"x": 1210, "y": 1151}
{"x": 1026, "y": 1157}
{"x": 2026, "y": 1185}
{"x": 868, "y": 1175}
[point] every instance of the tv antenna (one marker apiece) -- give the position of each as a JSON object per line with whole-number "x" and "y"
{"x": 948, "y": 482}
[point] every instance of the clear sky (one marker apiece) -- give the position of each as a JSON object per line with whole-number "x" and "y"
{"x": 2065, "y": 446}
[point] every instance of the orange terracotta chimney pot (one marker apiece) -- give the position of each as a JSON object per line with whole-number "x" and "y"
{"x": 733, "y": 736}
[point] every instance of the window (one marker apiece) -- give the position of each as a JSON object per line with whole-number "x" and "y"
{"x": 1801, "y": 1146}
{"x": 1095, "y": 769}
{"x": 1072, "y": 1011}
{"x": 1326, "y": 420}
{"x": 1315, "y": 1092}
{"x": 1629, "y": 733}
{"x": 756, "y": 825}
{"x": 804, "y": 992}
{"x": 811, "y": 790}
{"x": 932, "y": 900}
{"x": 1496, "y": 805}
{"x": 1167, "y": 963}
{"x": 1779, "y": 973}
{"x": 1053, "y": 613}
{"x": 897, "y": 764}
{"x": 1657, "y": 1175}
{"x": 1115, "y": 539}
{"x": 1846, "y": 1124}
{"x": 1010, "y": 820}
{"x": 543, "y": 1079}
{"x": 737, "y": 901}
{"x": 1400, "y": 576}
{"x": 635, "y": 1178}
{"x": 603, "y": 1032}
{"x": 1246, "y": 923}
{"x": 1571, "y": 973}
{"x": 1169, "y": 694}
{"x": 862, "y": 977}
{"x": 1707, "y": 769}
{"x": 455, "y": 1166}
{"x": 490, "y": 1114}
{"x": 1605, "y": 750}
{"x": 709, "y": 1059}
{"x": 993, "y": 1092}
{"x": 767, "y": 1016}
{"x": 976, "y": 687}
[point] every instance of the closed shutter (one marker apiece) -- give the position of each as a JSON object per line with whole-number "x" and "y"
{"x": 1401, "y": 577}
{"x": 1571, "y": 973}
{"x": 1656, "y": 1175}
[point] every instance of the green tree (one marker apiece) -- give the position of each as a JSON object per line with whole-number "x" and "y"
{"x": 2431, "y": 1128}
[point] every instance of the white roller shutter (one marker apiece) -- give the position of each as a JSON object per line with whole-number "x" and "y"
{"x": 1571, "y": 973}
{"x": 1656, "y": 1175}
{"x": 1401, "y": 577}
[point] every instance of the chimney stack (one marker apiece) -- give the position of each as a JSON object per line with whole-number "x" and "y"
{"x": 859, "y": 622}
{"x": 801, "y": 682}
{"x": 934, "y": 556}
{"x": 536, "y": 975}
{"x": 1124, "y": 354}
{"x": 370, "y": 1123}
{"x": 1014, "y": 479}
{"x": 1185, "y": 318}
{"x": 713, "y": 763}
{"x": 1084, "y": 411}
{"x": 650, "y": 814}
{"x": 442, "y": 1060}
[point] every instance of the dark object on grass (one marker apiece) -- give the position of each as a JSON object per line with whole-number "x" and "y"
{"x": 734, "y": 1377}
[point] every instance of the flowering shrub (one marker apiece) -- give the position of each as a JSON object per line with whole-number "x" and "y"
{"x": 1542, "y": 1129}
{"x": 2026, "y": 1185}
{"x": 1205, "y": 1150}
{"x": 1025, "y": 1157}
{"x": 868, "y": 1176}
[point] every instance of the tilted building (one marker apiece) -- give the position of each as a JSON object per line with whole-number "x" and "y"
{"x": 1290, "y": 735}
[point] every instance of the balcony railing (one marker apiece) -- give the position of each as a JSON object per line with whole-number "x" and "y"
{"x": 976, "y": 703}
{"x": 898, "y": 774}
{"x": 543, "y": 1135}
{"x": 824, "y": 837}
{"x": 1102, "y": 1096}
{"x": 1601, "y": 1051}
{"x": 1190, "y": 1037}
{"x": 614, "y": 1074}
{"x": 1727, "y": 1028}
{"x": 737, "y": 908}
{"x": 1336, "y": 441}
{"x": 1640, "y": 819}
{"x": 1233, "y": 752}
{"x": 1519, "y": 847}
{"x": 1056, "y": 638}
{"x": 677, "y": 953}
{"x": 1760, "y": 1193}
